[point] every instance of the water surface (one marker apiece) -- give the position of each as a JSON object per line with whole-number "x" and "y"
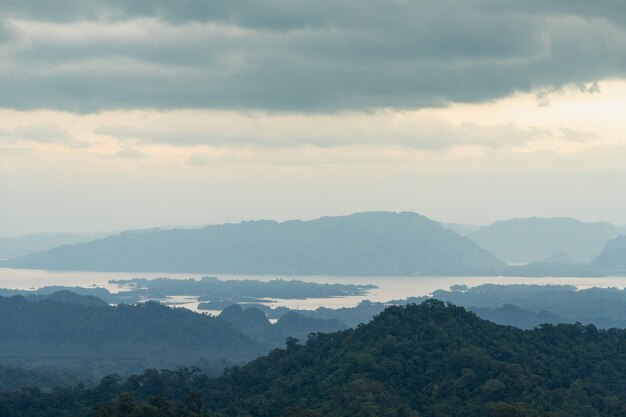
{"x": 389, "y": 287}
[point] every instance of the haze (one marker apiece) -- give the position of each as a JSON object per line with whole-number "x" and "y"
{"x": 116, "y": 115}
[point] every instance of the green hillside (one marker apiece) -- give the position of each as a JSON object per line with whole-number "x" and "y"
{"x": 426, "y": 360}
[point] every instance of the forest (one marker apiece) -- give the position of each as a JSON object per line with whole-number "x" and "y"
{"x": 432, "y": 359}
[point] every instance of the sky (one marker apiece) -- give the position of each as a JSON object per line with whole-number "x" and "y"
{"x": 133, "y": 114}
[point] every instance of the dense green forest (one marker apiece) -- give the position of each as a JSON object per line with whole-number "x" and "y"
{"x": 82, "y": 336}
{"x": 425, "y": 360}
{"x": 91, "y": 341}
{"x": 42, "y": 377}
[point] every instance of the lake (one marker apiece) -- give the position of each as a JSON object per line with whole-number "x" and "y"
{"x": 389, "y": 287}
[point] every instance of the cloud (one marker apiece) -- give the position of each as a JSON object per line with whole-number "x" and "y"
{"x": 301, "y": 56}
{"x": 289, "y": 14}
{"x": 11, "y": 150}
{"x": 130, "y": 154}
{"x": 199, "y": 159}
{"x": 6, "y": 32}
{"x": 577, "y": 135}
{"x": 47, "y": 133}
{"x": 263, "y": 130}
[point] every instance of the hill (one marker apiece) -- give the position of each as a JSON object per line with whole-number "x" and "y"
{"x": 253, "y": 322}
{"x": 96, "y": 339}
{"x": 613, "y": 258}
{"x": 520, "y": 241}
{"x": 66, "y": 296}
{"x": 14, "y": 246}
{"x": 420, "y": 360}
{"x": 376, "y": 243}
{"x": 524, "y": 306}
{"x": 602, "y": 307}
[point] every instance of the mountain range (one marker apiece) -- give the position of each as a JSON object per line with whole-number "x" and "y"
{"x": 375, "y": 243}
{"x": 14, "y": 246}
{"x": 613, "y": 258}
{"x": 564, "y": 240}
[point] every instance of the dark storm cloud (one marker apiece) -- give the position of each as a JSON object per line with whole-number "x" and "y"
{"x": 301, "y": 56}
{"x": 283, "y": 14}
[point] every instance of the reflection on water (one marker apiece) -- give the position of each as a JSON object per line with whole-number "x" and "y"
{"x": 389, "y": 288}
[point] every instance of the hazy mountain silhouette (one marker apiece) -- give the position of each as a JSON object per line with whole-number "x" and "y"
{"x": 374, "y": 243}
{"x": 613, "y": 258}
{"x": 536, "y": 239}
{"x": 66, "y": 296}
{"x": 14, "y": 246}
{"x": 462, "y": 229}
{"x": 253, "y": 322}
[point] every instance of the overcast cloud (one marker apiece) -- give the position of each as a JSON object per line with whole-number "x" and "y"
{"x": 300, "y": 56}
{"x": 121, "y": 114}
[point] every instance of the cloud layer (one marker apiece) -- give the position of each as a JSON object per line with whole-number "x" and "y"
{"x": 294, "y": 55}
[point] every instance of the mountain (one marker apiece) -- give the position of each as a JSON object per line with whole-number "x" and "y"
{"x": 552, "y": 269}
{"x": 14, "y": 246}
{"x": 512, "y": 315}
{"x": 375, "y": 243}
{"x": 524, "y": 306}
{"x": 98, "y": 340}
{"x": 520, "y": 241}
{"x": 462, "y": 229}
{"x": 250, "y": 321}
{"x": 602, "y": 307}
{"x": 612, "y": 259}
{"x": 66, "y": 296}
{"x": 253, "y": 322}
{"x": 425, "y": 360}
{"x": 559, "y": 257}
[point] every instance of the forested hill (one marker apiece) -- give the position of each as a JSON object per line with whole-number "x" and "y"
{"x": 90, "y": 339}
{"x": 420, "y": 360}
{"x": 376, "y": 243}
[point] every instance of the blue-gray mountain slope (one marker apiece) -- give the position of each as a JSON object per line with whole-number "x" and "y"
{"x": 375, "y": 243}
{"x": 520, "y": 241}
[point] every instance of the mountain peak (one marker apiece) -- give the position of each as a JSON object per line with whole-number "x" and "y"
{"x": 368, "y": 243}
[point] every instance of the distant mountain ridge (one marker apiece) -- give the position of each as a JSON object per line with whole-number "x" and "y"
{"x": 14, "y": 246}
{"x": 613, "y": 258}
{"x": 536, "y": 239}
{"x": 373, "y": 243}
